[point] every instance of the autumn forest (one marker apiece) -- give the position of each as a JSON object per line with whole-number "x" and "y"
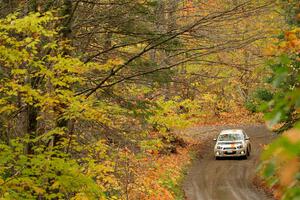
{"x": 95, "y": 95}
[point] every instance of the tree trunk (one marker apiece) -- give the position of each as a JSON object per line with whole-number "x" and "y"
{"x": 67, "y": 21}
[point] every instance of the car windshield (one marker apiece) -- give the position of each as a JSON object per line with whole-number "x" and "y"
{"x": 230, "y": 137}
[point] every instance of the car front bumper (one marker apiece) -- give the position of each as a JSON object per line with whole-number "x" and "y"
{"x": 230, "y": 153}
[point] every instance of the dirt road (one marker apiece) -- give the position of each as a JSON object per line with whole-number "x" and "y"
{"x": 230, "y": 179}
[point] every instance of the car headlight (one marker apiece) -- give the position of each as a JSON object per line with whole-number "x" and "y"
{"x": 240, "y": 146}
{"x": 219, "y": 147}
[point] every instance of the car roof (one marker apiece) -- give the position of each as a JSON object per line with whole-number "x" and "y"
{"x": 232, "y": 131}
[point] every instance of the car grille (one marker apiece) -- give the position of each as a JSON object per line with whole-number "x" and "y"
{"x": 229, "y": 148}
{"x": 229, "y": 153}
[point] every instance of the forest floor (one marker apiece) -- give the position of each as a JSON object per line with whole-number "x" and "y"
{"x": 228, "y": 179}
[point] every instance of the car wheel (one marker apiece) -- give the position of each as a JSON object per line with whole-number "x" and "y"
{"x": 248, "y": 153}
{"x": 217, "y": 158}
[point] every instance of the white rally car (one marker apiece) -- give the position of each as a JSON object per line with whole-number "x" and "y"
{"x": 232, "y": 143}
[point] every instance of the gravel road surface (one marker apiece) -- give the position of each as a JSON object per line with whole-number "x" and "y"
{"x": 226, "y": 179}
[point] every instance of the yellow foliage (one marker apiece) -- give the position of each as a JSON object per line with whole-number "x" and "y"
{"x": 288, "y": 171}
{"x": 293, "y": 135}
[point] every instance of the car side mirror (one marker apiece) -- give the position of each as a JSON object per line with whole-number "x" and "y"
{"x": 247, "y": 138}
{"x": 215, "y": 139}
